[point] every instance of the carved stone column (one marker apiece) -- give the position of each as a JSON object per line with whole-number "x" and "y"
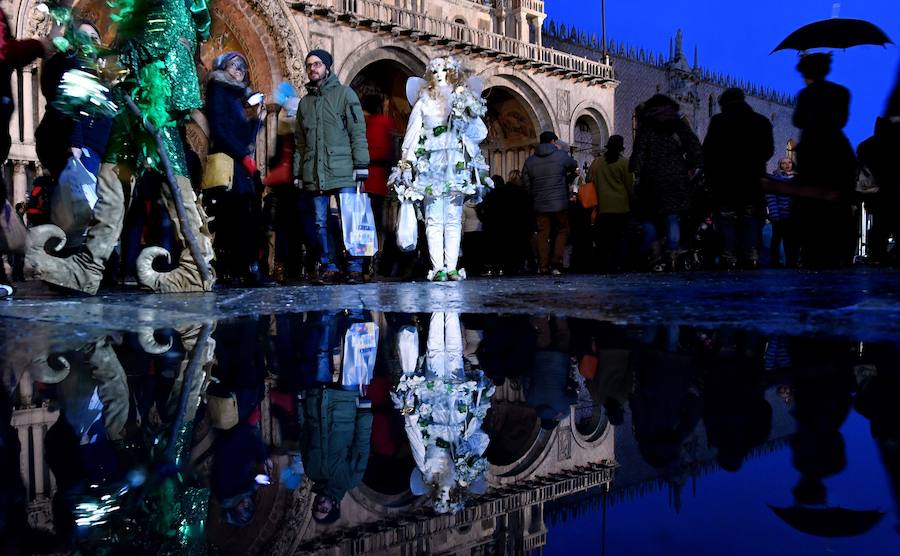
{"x": 19, "y": 182}
{"x": 26, "y": 105}
{"x": 14, "y": 120}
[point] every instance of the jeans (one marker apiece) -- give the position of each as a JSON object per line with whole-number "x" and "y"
{"x": 328, "y": 226}
{"x": 670, "y": 225}
{"x": 740, "y": 230}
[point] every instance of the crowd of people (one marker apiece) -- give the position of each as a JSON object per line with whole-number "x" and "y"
{"x": 345, "y": 198}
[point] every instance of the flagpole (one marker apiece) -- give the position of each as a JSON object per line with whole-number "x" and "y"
{"x": 603, "y": 30}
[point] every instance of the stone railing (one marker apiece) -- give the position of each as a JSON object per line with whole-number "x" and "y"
{"x": 533, "y": 5}
{"x": 380, "y": 16}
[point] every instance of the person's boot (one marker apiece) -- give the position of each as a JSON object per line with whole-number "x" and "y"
{"x": 83, "y": 270}
{"x": 186, "y": 276}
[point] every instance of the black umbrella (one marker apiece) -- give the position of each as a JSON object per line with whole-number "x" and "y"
{"x": 828, "y": 522}
{"x": 834, "y": 33}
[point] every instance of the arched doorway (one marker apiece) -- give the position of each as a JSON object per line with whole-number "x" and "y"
{"x": 386, "y": 78}
{"x": 511, "y": 130}
{"x": 588, "y": 137}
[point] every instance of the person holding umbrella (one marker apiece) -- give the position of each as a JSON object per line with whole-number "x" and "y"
{"x": 825, "y": 162}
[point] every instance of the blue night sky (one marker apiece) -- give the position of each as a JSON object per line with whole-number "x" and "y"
{"x": 736, "y": 38}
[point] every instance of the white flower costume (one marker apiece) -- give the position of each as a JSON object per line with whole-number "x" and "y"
{"x": 444, "y": 407}
{"x": 442, "y": 162}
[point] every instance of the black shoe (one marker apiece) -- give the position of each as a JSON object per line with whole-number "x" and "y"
{"x": 355, "y": 278}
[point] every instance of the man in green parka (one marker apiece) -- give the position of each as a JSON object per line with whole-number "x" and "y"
{"x": 335, "y": 447}
{"x": 332, "y": 153}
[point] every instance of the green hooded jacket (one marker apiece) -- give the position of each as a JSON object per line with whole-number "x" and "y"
{"x": 330, "y": 137}
{"x": 335, "y": 440}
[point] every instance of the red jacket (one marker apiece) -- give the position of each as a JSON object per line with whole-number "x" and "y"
{"x": 380, "y": 133}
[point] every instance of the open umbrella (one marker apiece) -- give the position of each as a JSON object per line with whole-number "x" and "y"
{"x": 828, "y": 522}
{"x": 834, "y": 33}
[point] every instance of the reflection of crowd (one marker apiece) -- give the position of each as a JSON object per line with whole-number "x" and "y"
{"x": 304, "y": 401}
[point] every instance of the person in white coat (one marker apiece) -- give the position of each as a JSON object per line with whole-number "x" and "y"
{"x": 444, "y": 405}
{"x": 441, "y": 160}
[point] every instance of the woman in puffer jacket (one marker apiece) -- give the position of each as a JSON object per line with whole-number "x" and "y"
{"x": 237, "y": 212}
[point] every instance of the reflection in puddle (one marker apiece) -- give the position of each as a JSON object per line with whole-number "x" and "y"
{"x": 366, "y": 432}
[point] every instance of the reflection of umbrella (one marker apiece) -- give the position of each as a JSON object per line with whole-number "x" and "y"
{"x": 834, "y": 33}
{"x": 828, "y": 522}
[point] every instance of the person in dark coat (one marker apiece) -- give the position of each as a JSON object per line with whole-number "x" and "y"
{"x": 238, "y": 217}
{"x": 666, "y": 155}
{"x": 825, "y": 161}
{"x": 738, "y": 144}
{"x": 59, "y": 137}
{"x": 546, "y": 176}
{"x": 878, "y": 155}
{"x": 14, "y": 54}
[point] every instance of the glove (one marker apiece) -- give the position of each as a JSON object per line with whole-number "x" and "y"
{"x": 361, "y": 174}
{"x": 249, "y": 164}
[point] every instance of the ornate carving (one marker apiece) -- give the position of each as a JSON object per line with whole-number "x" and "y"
{"x": 39, "y": 23}
{"x": 287, "y": 38}
{"x": 563, "y": 107}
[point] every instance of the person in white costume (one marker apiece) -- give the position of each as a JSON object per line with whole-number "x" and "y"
{"x": 441, "y": 161}
{"x": 443, "y": 406}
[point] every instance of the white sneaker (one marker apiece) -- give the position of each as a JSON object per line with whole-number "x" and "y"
{"x": 5, "y": 291}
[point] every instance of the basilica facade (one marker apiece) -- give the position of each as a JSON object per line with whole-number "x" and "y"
{"x": 538, "y": 76}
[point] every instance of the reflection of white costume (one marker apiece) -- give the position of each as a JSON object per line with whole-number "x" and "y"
{"x": 444, "y": 407}
{"x": 442, "y": 147}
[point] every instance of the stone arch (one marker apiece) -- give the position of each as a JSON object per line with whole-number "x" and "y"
{"x": 531, "y": 95}
{"x": 598, "y": 126}
{"x": 410, "y": 57}
{"x": 280, "y": 41}
{"x": 595, "y": 437}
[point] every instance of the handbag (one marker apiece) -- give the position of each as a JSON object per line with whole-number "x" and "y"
{"x": 71, "y": 205}
{"x": 358, "y": 224}
{"x": 222, "y": 411}
{"x": 587, "y": 195}
{"x": 218, "y": 172}
{"x": 407, "y": 227}
{"x": 12, "y": 231}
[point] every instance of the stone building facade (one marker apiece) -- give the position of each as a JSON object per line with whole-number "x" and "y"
{"x": 642, "y": 74}
{"x": 538, "y": 75}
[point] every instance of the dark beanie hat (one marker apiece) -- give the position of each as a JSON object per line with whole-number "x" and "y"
{"x": 323, "y": 55}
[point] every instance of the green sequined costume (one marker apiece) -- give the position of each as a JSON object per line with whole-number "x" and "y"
{"x": 159, "y": 39}
{"x": 166, "y": 36}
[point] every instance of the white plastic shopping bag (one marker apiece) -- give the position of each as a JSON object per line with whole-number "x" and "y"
{"x": 358, "y": 224}
{"x": 72, "y": 203}
{"x": 407, "y": 227}
{"x": 360, "y": 349}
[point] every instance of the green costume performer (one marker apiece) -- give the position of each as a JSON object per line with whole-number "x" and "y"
{"x": 159, "y": 39}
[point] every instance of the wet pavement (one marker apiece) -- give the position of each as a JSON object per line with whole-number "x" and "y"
{"x": 679, "y": 414}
